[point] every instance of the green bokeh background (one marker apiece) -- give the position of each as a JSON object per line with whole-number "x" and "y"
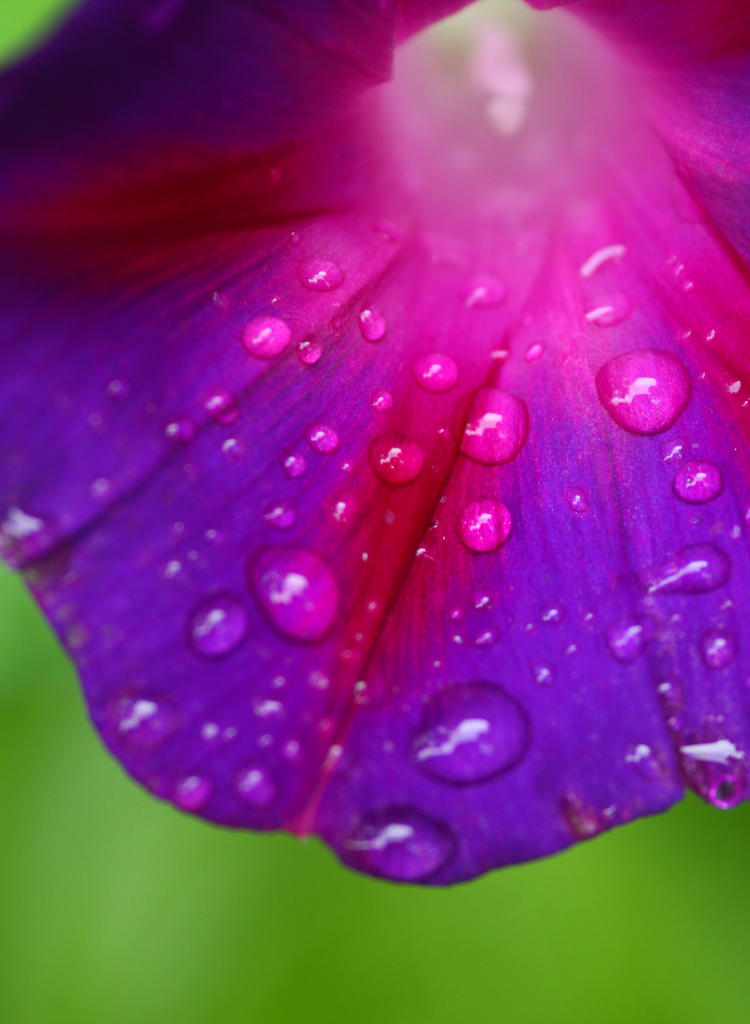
{"x": 115, "y": 908}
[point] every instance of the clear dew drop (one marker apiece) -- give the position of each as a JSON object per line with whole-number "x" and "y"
{"x": 626, "y": 639}
{"x": 694, "y": 569}
{"x": 322, "y": 438}
{"x": 484, "y": 292}
{"x": 395, "y": 459}
{"x": 266, "y": 337}
{"x": 577, "y": 500}
{"x": 309, "y": 352}
{"x": 222, "y": 407}
{"x": 470, "y": 732}
{"x": 644, "y": 762}
{"x": 644, "y": 391}
{"x": 698, "y": 482}
{"x": 193, "y": 792}
{"x": 718, "y": 648}
{"x": 372, "y": 324}
{"x": 254, "y": 786}
{"x": 725, "y": 791}
{"x": 609, "y": 310}
{"x": 217, "y": 625}
{"x": 144, "y": 723}
{"x": 435, "y": 372}
{"x": 496, "y": 427}
{"x": 281, "y": 515}
{"x": 294, "y": 464}
{"x": 381, "y": 400}
{"x": 298, "y": 592}
{"x": 320, "y": 275}
{"x": 534, "y": 352}
{"x": 181, "y": 430}
{"x": 400, "y": 844}
{"x": 343, "y": 507}
{"x": 484, "y": 525}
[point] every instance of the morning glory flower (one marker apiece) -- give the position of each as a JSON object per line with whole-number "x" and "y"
{"x": 375, "y": 429}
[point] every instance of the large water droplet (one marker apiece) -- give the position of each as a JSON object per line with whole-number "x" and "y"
{"x": 435, "y": 372}
{"x": 144, "y": 723}
{"x": 372, "y": 324}
{"x": 484, "y": 525}
{"x": 644, "y": 391}
{"x": 698, "y": 482}
{"x": 400, "y": 844}
{"x": 217, "y": 625}
{"x": 471, "y": 732}
{"x": 381, "y": 400}
{"x": 320, "y": 275}
{"x": 496, "y": 427}
{"x": 266, "y": 337}
{"x": 694, "y": 569}
{"x": 297, "y": 590}
{"x": 395, "y": 459}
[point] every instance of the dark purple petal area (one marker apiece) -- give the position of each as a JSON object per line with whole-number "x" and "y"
{"x": 391, "y": 486}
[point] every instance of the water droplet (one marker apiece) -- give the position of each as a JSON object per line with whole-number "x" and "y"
{"x": 255, "y": 786}
{"x": 534, "y": 352}
{"x": 266, "y": 337}
{"x": 484, "y": 292}
{"x": 320, "y": 275}
{"x": 609, "y": 310}
{"x": 496, "y": 427}
{"x": 400, "y": 844}
{"x": 381, "y": 401}
{"x": 297, "y": 590}
{"x": 395, "y": 459}
{"x": 372, "y": 324}
{"x": 221, "y": 407}
{"x": 718, "y": 648}
{"x": 606, "y": 254}
{"x": 484, "y": 525}
{"x": 471, "y": 732}
{"x": 435, "y": 372}
{"x": 280, "y": 515}
{"x": 180, "y": 430}
{"x": 582, "y": 819}
{"x": 322, "y": 438}
{"x": 193, "y": 792}
{"x": 725, "y": 791}
{"x": 577, "y": 500}
{"x": 644, "y": 391}
{"x": 698, "y": 482}
{"x": 294, "y": 464}
{"x": 343, "y": 507}
{"x": 217, "y": 625}
{"x": 626, "y": 639}
{"x": 143, "y": 722}
{"x": 645, "y": 762}
{"x": 672, "y": 700}
{"x": 694, "y": 569}
{"x": 309, "y": 351}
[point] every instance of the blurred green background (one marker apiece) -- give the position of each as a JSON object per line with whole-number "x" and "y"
{"x": 114, "y": 908}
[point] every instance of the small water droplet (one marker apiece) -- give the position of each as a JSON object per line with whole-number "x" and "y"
{"x": 725, "y": 791}
{"x": 609, "y": 310}
{"x": 298, "y": 592}
{"x": 294, "y": 464}
{"x": 644, "y": 391}
{"x": 372, "y": 324}
{"x": 400, "y": 844}
{"x": 470, "y": 732}
{"x": 484, "y": 292}
{"x": 435, "y": 372}
{"x": 496, "y": 427}
{"x": 144, "y": 723}
{"x": 309, "y": 351}
{"x": 381, "y": 401}
{"x": 645, "y": 762}
{"x": 534, "y": 352}
{"x": 193, "y": 792}
{"x": 626, "y": 639}
{"x": 180, "y": 430}
{"x": 322, "y": 438}
{"x": 221, "y": 407}
{"x": 718, "y": 648}
{"x": 577, "y": 500}
{"x": 320, "y": 275}
{"x": 484, "y": 525}
{"x": 698, "y": 482}
{"x": 694, "y": 569}
{"x": 255, "y": 786}
{"x": 343, "y": 507}
{"x": 266, "y": 337}
{"x": 395, "y": 459}
{"x": 582, "y": 819}
{"x": 280, "y": 515}
{"x": 217, "y": 625}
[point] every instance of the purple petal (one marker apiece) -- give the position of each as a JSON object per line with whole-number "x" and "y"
{"x": 359, "y": 522}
